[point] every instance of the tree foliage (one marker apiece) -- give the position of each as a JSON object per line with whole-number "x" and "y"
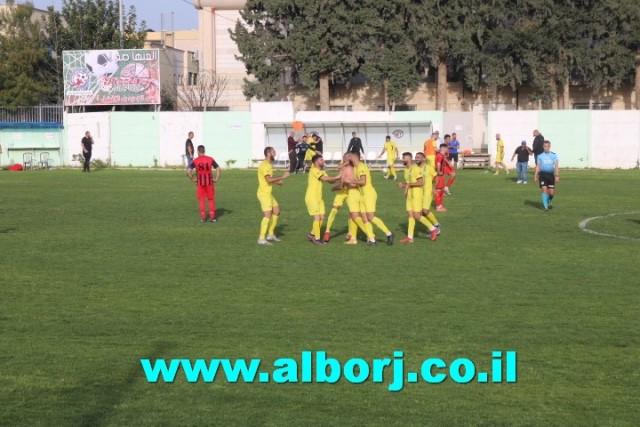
{"x": 495, "y": 44}
{"x": 24, "y": 60}
{"x": 205, "y": 92}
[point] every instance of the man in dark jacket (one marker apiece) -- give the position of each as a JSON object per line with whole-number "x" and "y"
{"x": 291, "y": 147}
{"x": 355, "y": 145}
{"x": 538, "y": 142}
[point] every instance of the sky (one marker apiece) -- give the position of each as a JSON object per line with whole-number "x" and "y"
{"x": 185, "y": 16}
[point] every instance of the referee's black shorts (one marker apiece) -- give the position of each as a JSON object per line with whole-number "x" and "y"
{"x": 547, "y": 179}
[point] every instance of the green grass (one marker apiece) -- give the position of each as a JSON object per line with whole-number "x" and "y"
{"x": 98, "y": 271}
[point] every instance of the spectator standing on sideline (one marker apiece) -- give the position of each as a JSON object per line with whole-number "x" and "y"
{"x": 538, "y": 142}
{"x": 87, "y": 147}
{"x": 355, "y": 145}
{"x": 188, "y": 150}
{"x": 293, "y": 158}
{"x": 301, "y": 152}
{"x": 454, "y": 146}
{"x": 523, "y": 153}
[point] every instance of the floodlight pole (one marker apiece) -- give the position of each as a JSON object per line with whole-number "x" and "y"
{"x": 121, "y": 26}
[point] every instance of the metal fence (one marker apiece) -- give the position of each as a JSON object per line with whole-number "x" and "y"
{"x": 40, "y": 113}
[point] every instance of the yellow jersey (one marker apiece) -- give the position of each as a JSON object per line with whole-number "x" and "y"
{"x": 265, "y": 169}
{"x": 363, "y": 169}
{"x": 411, "y": 176}
{"x": 427, "y": 174}
{"x": 392, "y": 150}
{"x": 314, "y": 186}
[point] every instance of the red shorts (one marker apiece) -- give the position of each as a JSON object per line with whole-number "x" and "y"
{"x": 440, "y": 182}
{"x": 207, "y": 192}
{"x": 448, "y": 171}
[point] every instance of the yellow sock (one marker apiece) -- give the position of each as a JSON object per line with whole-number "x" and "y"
{"x": 424, "y": 221}
{"x": 369, "y": 227}
{"x": 392, "y": 171}
{"x": 361, "y": 225}
{"x": 432, "y": 218}
{"x": 274, "y": 222}
{"x": 353, "y": 228}
{"x": 412, "y": 227}
{"x": 263, "y": 227}
{"x": 332, "y": 217}
{"x": 378, "y": 223}
{"x": 316, "y": 229}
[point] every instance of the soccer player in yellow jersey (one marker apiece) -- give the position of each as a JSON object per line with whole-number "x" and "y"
{"x": 368, "y": 200}
{"x": 427, "y": 193}
{"x": 500, "y": 155}
{"x": 313, "y": 198}
{"x": 391, "y": 149}
{"x": 268, "y": 203}
{"x": 346, "y": 173}
{"x": 413, "y": 189}
{"x": 354, "y": 203}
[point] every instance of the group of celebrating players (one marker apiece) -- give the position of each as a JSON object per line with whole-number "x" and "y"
{"x": 354, "y": 186}
{"x": 429, "y": 174}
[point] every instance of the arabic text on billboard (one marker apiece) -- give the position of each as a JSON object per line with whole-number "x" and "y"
{"x": 111, "y": 77}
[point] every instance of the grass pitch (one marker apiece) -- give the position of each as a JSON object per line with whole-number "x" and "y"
{"x": 100, "y": 270}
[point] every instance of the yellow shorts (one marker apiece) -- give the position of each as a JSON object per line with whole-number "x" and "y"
{"x": 500, "y": 159}
{"x": 309, "y": 155}
{"x": 267, "y": 201}
{"x": 315, "y": 207}
{"x": 431, "y": 165}
{"x": 368, "y": 202}
{"x": 354, "y": 199}
{"x": 414, "y": 204}
{"x": 427, "y": 199}
{"x": 340, "y": 198}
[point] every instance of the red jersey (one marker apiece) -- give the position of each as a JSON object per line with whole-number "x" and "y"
{"x": 203, "y": 166}
{"x": 440, "y": 160}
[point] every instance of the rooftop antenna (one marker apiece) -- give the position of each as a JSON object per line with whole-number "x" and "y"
{"x": 162, "y": 29}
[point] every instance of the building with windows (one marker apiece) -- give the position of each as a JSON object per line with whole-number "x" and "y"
{"x": 216, "y": 51}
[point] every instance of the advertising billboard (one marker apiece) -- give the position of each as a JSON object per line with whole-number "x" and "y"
{"x": 111, "y": 77}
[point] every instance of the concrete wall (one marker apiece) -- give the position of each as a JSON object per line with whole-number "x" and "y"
{"x": 582, "y": 138}
{"x": 16, "y": 142}
{"x": 150, "y": 138}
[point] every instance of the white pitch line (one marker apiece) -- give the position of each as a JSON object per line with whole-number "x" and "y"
{"x": 583, "y": 225}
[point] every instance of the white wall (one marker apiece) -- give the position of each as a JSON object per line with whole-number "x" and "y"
{"x": 174, "y": 130}
{"x": 75, "y": 127}
{"x": 513, "y": 127}
{"x": 615, "y": 137}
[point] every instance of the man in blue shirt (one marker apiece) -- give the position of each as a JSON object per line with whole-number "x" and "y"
{"x": 454, "y": 146}
{"x": 548, "y": 174}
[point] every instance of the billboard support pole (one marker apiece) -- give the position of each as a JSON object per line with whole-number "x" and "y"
{"x": 121, "y": 26}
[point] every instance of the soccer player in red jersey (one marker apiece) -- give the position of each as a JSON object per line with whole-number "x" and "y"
{"x": 204, "y": 179}
{"x": 442, "y": 166}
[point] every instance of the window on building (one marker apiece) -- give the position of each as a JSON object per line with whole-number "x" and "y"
{"x": 337, "y": 107}
{"x": 218, "y": 108}
{"x": 406, "y": 107}
{"x": 592, "y": 106}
